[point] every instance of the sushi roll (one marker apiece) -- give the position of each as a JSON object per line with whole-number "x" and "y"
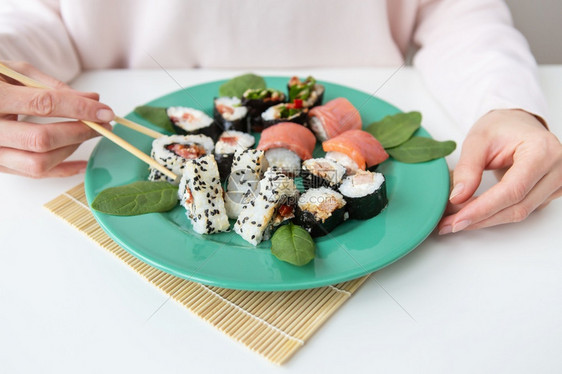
{"x": 286, "y": 144}
{"x": 365, "y": 193}
{"x": 308, "y": 91}
{"x": 228, "y": 143}
{"x": 333, "y": 118}
{"x": 200, "y": 192}
{"x": 173, "y": 152}
{"x": 230, "y": 114}
{"x": 257, "y": 101}
{"x": 192, "y": 121}
{"x": 289, "y": 112}
{"x": 355, "y": 149}
{"x": 320, "y": 210}
{"x": 321, "y": 172}
{"x": 248, "y": 167}
{"x": 274, "y": 204}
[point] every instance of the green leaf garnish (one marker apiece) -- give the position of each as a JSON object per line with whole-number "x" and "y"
{"x": 238, "y": 85}
{"x": 419, "y": 149}
{"x": 137, "y": 198}
{"x": 157, "y": 116}
{"x": 293, "y": 244}
{"x": 394, "y": 130}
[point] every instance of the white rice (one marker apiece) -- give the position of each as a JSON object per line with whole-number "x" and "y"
{"x": 285, "y": 160}
{"x": 318, "y": 128}
{"x": 202, "y": 196}
{"x": 258, "y": 217}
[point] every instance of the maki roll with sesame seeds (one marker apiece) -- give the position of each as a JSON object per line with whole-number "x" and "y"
{"x": 320, "y": 210}
{"x": 200, "y": 192}
{"x": 230, "y": 114}
{"x": 286, "y": 112}
{"x": 365, "y": 193}
{"x": 257, "y": 101}
{"x": 308, "y": 91}
{"x": 189, "y": 121}
{"x": 248, "y": 167}
{"x": 228, "y": 143}
{"x": 173, "y": 152}
{"x": 274, "y": 204}
{"x": 321, "y": 172}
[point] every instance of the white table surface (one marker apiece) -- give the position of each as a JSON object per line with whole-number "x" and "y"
{"x": 487, "y": 301}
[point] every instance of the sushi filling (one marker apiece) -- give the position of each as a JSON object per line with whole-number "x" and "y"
{"x": 265, "y": 95}
{"x": 319, "y": 172}
{"x": 287, "y": 112}
{"x": 189, "y": 119}
{"x": 187, "y": 151}
{"x": 284, "y": 160}
{"x": 308, "y": 91}
{"x": 230, "y": 108}
{"x": 344, "y": 160}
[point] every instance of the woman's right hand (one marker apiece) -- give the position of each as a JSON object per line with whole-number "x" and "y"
{"x": 39, "y": 150}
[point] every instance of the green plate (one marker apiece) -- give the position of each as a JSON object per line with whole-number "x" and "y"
{"x": 417, "y": 197}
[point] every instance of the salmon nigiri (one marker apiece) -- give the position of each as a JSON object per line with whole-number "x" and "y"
{"x": 286, "y": 144}
{"x": 355, "y": 145}
{"x": 333, "y": 118}
{"x": 291, "y": 136}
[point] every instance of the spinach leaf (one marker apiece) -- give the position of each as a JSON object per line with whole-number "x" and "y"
{"x": 394, "y": 130}
{"x": 137, "y": 198}
{"x": 419, "y": 149}
{"x": 293, "y": 244}
{"x": 157, "y": 116}
{"x": 238, "y": 85}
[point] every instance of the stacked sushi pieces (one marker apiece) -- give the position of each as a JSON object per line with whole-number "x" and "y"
{"x": 223, "y": 177}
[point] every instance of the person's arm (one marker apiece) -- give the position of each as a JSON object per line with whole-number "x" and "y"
{"x": 481, "y": 69}
{"x": 33, "y": 34}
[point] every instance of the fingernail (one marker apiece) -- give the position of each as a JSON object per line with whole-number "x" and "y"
{"x": 457, "y": 190}
{"x": 105, "y": 115}
{"x": 446, "y": 230}
{"x": 460, "y": 226}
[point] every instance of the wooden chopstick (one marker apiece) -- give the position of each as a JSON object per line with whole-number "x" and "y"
{"x": 26, "y": 81}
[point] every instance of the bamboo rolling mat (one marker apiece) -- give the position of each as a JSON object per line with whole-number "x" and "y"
{"x": 273, "y": 324}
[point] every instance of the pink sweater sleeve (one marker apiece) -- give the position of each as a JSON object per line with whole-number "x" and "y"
{"x": 474, "y": 60}
{"x": 32, "y": 31}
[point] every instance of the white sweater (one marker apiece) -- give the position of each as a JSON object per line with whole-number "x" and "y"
{"x": 469, "y": 54}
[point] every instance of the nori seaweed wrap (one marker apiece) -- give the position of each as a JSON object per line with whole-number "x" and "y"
{"x": 320, "y": 210}
{"x": 230, "y": 114}
{"x": 365, "y": 193}
{"x": 257, "y": 101}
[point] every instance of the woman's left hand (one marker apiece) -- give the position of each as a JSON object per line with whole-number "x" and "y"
{"x": 523, "y": 152}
